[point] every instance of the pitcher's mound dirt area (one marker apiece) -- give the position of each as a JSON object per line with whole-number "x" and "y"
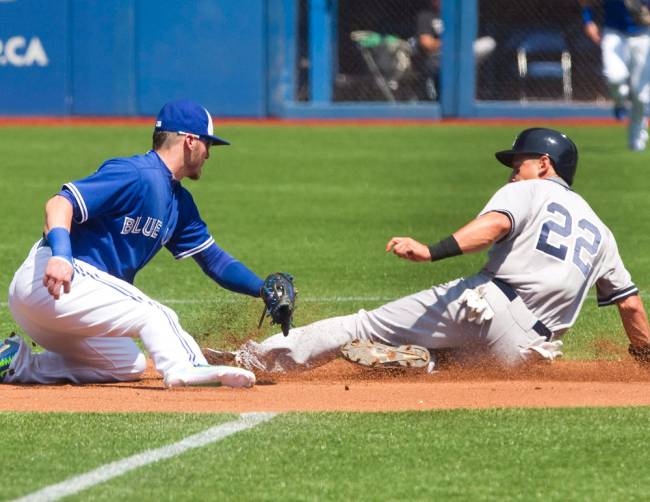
{"x": 342, "y": 386}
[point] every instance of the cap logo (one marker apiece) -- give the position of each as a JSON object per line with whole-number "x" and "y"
{"x": 158, "y": 123}
{"x": 210, "y": 127}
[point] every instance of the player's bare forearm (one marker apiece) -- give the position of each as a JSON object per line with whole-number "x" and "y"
{"x": 481, "y": 233}
{"x": 590, "y": 27}
{"x": 58, "y": 273}
{"x": 635, "y": 320}
{"x": 58, "y": 213}
{"x": 477, "y": 235}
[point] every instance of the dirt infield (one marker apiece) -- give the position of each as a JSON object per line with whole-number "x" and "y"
{"x": 342, "y": 386}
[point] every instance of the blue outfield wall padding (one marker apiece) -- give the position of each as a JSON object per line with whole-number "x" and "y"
{"x": 216, "y": 56}
{"x": 34, "y": 57}
{"x": 104, "y": 85}
{"x": 238, "y": 58}
{"x": 321, "y": 49}
{"x": 466, "y": 84}
{"x": 551, "y": 110}
{"x": 342, "y": 110}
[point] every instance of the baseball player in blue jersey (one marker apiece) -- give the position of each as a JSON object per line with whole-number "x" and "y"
{"x": 625, "y": 46}
{"x": 547, "y": 249}
{"x": 74, "y": 294}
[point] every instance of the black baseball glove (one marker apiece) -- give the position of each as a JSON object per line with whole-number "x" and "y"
{"x": 279, "y": 297}
{"x": 641, "y": 354}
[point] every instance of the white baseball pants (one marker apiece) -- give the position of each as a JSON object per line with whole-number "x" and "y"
{"x": 88, "y": 333}
{"x": 435, "y": 318}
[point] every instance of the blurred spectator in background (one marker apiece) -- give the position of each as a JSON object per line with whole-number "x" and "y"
{"x": 429, "y": 42}
{"x": 625, "y": 46}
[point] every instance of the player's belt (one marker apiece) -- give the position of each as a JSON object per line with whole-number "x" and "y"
{"x": 511, "y": 294}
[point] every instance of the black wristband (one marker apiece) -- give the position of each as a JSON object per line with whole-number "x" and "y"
{"x": 446, "y": 248}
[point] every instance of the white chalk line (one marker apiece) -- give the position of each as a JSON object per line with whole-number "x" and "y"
{"x": 119, "y": 467}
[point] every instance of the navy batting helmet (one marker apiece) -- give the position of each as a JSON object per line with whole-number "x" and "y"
{"x": 541, "y": 141}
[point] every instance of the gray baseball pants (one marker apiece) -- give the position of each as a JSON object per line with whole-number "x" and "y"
{"x": 433, "y": 318}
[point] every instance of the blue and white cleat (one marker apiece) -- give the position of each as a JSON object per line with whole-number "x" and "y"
{"x": 8, "y": 351}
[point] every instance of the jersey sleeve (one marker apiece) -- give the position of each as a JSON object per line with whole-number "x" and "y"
{"x": 109, "y": 190}
{"x": 191, "y": 235}
{"x": 614, "y": 282}
{"x": 514, "y": 200}
{"x": 76, "y": 210}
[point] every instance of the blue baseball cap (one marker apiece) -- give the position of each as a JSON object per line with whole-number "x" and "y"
{"x": 187, "y": 117}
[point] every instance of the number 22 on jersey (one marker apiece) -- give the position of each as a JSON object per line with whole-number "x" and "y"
{"x": 584, "y": 236}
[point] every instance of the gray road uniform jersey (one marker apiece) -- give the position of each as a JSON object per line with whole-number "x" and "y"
{"x": 556, "y": 250}
{"x": 528, "y": 293}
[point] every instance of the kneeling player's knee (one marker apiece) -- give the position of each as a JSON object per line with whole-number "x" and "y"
{"x": 159, "y": 316}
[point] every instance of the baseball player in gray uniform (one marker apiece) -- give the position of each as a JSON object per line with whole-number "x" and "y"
{"x": 548, "y": 248}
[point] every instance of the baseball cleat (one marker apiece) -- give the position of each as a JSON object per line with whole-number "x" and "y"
{"x": 375, "y": 354}
{"x": 220, "y": 357}
{"x": 8, "y": 351}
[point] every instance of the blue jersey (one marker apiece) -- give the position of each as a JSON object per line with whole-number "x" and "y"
{"x": 127, "y": 211}
{"x": 617, "y": 17}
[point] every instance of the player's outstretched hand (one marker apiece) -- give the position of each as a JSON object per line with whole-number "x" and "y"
{"x": 408, "y": 248}
{"x": 58, "y": 274}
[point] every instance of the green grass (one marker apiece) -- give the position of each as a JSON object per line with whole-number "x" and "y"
{"x": 559, "y": 454}
{"x": 321, "y": 202}
{"x": 44, "y": 449}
